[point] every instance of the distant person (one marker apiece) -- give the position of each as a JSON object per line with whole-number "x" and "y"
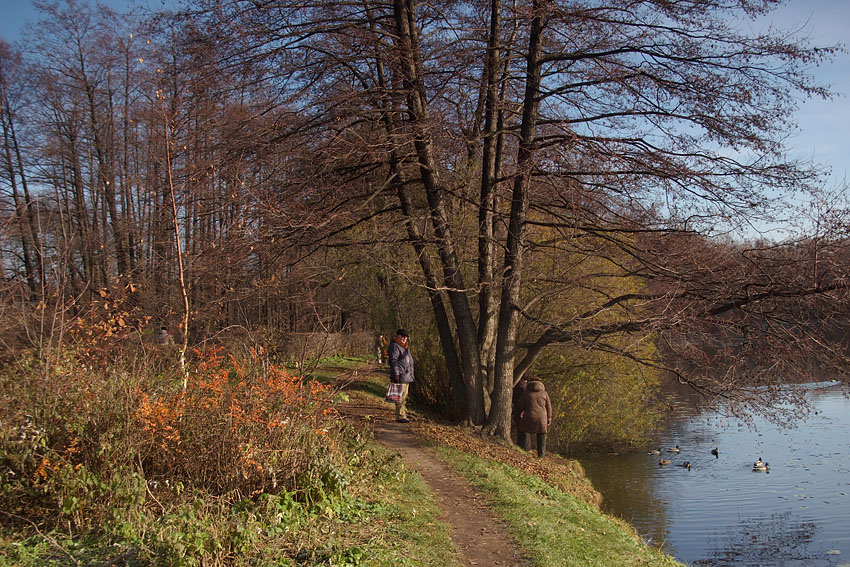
{"x": 401, "y": 370}
{"x": 519, "y": 390}
{"x": 163, "y": 338}
{"x": 535, "y": 415}
{"x": 380, "y": 346}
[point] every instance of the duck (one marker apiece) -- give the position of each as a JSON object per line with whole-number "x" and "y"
{"x": 758, "y": 466}
{"x": 686, "y": 464}
{"x": 675, "y": 449}
{"x": 663, "y": 462}
{"x": 655, "y": 452}
{"x": 758, "y": 463}
{"x": 714, "y": 452}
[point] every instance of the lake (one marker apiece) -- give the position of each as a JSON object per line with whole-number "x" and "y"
{"x": 720, "y": 512}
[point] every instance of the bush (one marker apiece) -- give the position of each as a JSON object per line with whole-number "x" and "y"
{"x": 599, "y": 400}
{"x": 432, "y": 386}
{"x": 259, "y": 431}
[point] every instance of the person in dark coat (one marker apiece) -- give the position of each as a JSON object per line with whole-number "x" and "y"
{"x": 401, "y": 370}
{"x": 535, "y": 410}
{"x": 519, "y": 390}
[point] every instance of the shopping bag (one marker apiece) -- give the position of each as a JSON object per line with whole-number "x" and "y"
{"x": 394, "y": 393}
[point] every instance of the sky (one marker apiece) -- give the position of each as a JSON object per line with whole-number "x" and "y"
{"x": 824, "y": 126}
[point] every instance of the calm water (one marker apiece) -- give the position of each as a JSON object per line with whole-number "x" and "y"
{"x": 722, "y": 513}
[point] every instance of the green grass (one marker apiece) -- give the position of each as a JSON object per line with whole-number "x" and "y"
{"x": 385, "y": 517}
{"x": 373, "y": 384}
{"x": 331, "y": 369}
{"x": 409, "y": 531}
{"x": 552, "y": 528}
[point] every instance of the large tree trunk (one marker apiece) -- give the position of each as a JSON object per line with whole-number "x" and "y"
{"x": 499, "y": 420}
{"x": 487, "y": 306}
{"x": 441, "y": 316}
{"x": 412, "y": 78}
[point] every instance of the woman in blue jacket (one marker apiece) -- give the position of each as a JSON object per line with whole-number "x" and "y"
{"x": 401, "y": 370}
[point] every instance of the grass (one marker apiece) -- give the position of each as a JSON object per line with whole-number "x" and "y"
{"x": 551, "y": 527}
{"x": 409, "y": 532}
{"x": 353, "y": 503}
{"x": 387, "y": 517}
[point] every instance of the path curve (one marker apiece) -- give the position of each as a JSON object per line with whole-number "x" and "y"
{"x": 478, "y": 535}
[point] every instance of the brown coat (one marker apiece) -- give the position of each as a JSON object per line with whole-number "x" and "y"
{"x": 535, "y": 409}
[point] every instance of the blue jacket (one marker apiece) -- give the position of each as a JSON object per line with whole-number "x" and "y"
{"x": 401, "y": 363}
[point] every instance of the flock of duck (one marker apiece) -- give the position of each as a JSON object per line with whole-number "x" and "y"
{"x": 758, "y": 466}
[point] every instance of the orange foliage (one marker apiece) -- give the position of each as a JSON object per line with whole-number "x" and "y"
{"x": 100, "y": 332}
{"x": 245, "y": 424}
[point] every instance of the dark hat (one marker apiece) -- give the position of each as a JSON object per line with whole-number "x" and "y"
{"x": 401, "y": 333}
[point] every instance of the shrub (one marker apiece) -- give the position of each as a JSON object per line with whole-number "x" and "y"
{"x": 257, "y": 431}
{"x": 77, "y": 444}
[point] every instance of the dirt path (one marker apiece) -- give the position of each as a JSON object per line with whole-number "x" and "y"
{"x": 475, "y": 530}
{"x": 478, "y": 535}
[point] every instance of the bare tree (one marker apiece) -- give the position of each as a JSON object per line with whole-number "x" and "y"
{"x": 559, "y": 173}
{"x": 16, "y": 172}
{"x": 624, "y": 132}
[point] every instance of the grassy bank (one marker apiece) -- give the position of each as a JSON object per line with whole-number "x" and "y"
{"x": 249, "y": 464}
{"x": 550, "y": 526}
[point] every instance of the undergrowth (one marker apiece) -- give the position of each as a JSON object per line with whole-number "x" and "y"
{"x": 107, "y": 457}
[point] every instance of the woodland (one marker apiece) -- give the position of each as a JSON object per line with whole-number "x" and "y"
{"x": 598, "y": 193}
{"x": 574, "y": 189}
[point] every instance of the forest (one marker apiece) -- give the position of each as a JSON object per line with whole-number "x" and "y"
{"x": 572, "y": 189}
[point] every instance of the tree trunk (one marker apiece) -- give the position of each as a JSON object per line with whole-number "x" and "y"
{"x": 459, "y": 399}
{"x": 487, "y": 307}
{"x": 412, "y": 78}
{"x": 499, "y": 420}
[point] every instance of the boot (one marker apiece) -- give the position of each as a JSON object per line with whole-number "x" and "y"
{"x": 541, "y": 445}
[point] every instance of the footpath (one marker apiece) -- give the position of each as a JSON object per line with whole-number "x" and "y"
{"x": 476, "y": 532}
{"x": 581, "y": 534}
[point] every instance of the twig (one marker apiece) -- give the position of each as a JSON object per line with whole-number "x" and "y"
{"x": 45, "y": 536}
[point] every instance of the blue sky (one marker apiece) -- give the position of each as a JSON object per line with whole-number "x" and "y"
{"x": 824, "y": 126}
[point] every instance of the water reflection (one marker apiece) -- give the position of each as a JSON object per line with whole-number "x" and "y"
{"x": 722, "y": 513}
{"x": 773, "y": 540}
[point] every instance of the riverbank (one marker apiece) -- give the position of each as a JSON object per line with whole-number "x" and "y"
{"x": 547, "y": 506}
{"x": 100, "y": 498}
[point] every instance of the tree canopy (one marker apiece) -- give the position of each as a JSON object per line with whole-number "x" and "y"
{"x": 549, "y": 172}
